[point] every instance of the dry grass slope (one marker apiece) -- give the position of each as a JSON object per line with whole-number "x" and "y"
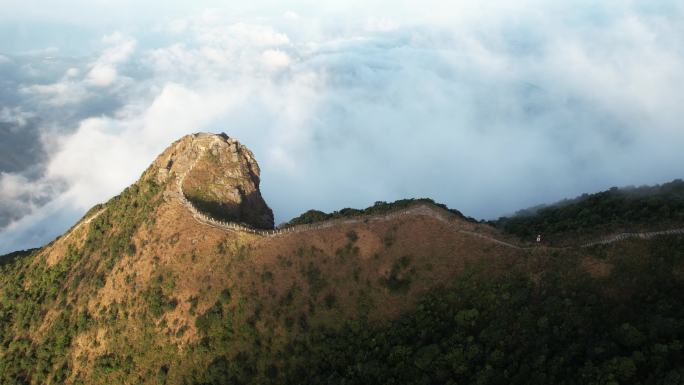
{"x": 146, "y": 290}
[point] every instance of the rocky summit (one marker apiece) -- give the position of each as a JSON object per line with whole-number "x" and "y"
{"x": 218, "y": 176}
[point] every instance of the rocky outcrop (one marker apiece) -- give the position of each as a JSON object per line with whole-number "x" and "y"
{"x": 217, "y": 179}
{"x": 218, "y": 176}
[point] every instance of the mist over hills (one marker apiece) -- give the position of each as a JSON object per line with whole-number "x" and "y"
{"x": 182, "y": 279}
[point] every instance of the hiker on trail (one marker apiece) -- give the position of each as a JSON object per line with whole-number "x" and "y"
{"x": 538, "y": 238}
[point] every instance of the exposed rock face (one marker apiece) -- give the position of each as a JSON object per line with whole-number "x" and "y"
{"x": 219, "y": 176}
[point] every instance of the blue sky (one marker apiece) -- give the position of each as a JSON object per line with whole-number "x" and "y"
{"x": 488, "y": 107}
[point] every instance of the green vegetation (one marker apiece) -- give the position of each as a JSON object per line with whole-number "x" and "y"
{"x": 158, "y": 302}
{"x": 399, "y": 278}
{"x": 38, "y": 316}
{"x": 12, "y": 257}
{"x": 193, "y": 304}
{"x": 567, "y": 328}
{"x": 22, "y": 308}
{"x": 628, "y": 209}
{"x": 314, "y": 278}
{"x": 110, "y": 233}
{"x": 210, "y": 318}
{"x": 330, "y": 300}
{"x": 111, "y": 363}
{"x": 225, "y": 296}
{"x": 390, "y": 237}
{"x": 538, "y": 318}
{"x": 349, "y": 248}
{"x": 379, "y": 208}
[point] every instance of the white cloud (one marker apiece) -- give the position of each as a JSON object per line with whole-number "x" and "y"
{"x": 15, "y": 117}
{"x": 70, "y": 90}
{"x": 93, "y": 161}
{"x": 13, "y": 186}
{"x": 381, "y": 25}
{"x": 291, "y": 15}
{"x": 104, "y": 154}
{"x": 102, "y": 75}
{"x": 178, "y": 26}
{"x": 104, "y": 71}
{"x": 275, "y": 59}
{"x": 72, "y": 73}
{"x": 121, "y": 48}
{"x": 39, "y": 226}
{"x": 221, "y": 50}
{"x": 20, "y": 196}
{"x": 241, "y": 35}
{"x": 62, "y": 93}
{"x": 456, "y": 101}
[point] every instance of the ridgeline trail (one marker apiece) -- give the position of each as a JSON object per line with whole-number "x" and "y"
{"x": 418, "y": 209}
{"x": 84, "y": 222}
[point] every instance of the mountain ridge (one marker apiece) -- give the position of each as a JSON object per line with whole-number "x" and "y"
{"x": 142, "y": 291}
{"x": 161, "y": 166}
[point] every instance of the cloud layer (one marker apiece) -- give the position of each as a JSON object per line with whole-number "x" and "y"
{"x": 488, "y": 108}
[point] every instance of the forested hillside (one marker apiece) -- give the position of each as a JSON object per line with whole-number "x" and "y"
{"x": 591, "y": 215}
{"x": 140, "y": 291}
{"x": 611, "y": 315}
{"x": 561, "y": 327}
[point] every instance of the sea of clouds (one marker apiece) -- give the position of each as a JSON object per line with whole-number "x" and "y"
{"x": 488, "y": 107}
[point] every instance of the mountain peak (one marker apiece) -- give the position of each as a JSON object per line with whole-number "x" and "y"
{"x": 218, "y": 176}
{"x": 145, "y": 289}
